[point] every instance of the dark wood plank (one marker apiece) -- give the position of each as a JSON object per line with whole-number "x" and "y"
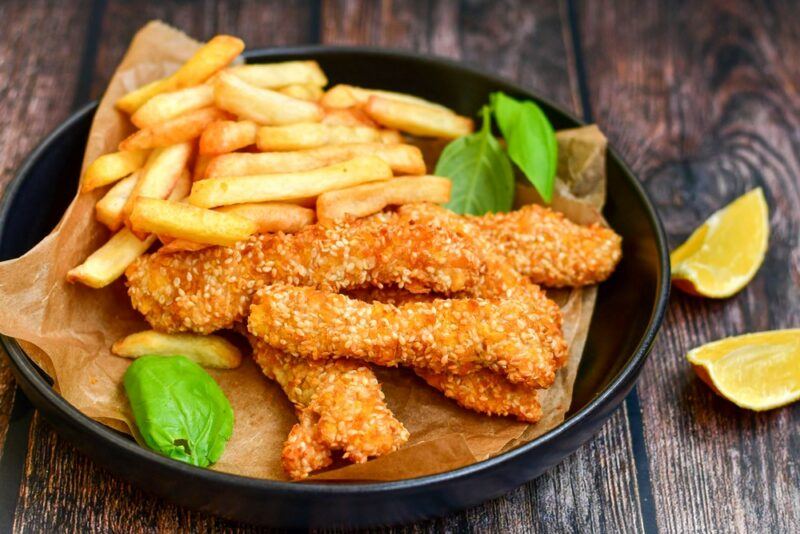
{"x": 258, "y": 23}
{"x": 594, "y": 489}
{"x": 702, "y": 100}
{"x": 39, "y": 64}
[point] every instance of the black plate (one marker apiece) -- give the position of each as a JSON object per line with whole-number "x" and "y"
{"x": 629, "y": 311}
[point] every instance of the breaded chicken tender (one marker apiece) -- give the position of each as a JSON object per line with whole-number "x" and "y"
{"x": 487, "y": 392}
{"x": 455, "y": 336}
{"x": 537, "y": 242}
{"x": 211, "y": 289}
{"x": 340, "y": 408}
{"x": 483, "y": 391}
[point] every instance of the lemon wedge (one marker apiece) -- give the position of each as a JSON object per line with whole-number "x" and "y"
{"x": 756, "y": 371}
{"x": 724, "y": 253}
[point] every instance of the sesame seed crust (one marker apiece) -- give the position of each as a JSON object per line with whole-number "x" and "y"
{"x": 487, "y": 392}
{"x": 211, "y": 289}
{"x": 340, "y": 408}
{"x": 537, "y": 242}
{"x": 456, "y": 336}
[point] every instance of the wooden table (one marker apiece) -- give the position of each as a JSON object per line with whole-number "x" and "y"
{"x": 701, "y": 98}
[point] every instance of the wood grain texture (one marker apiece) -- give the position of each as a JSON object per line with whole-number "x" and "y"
{"x": 702, "y": 100}
{"x": 38, "y": 76}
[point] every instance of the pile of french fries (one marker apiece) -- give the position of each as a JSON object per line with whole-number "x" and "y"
{"x": 224, "y": 151}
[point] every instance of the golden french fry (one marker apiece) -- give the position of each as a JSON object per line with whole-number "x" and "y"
{"x": 160, "y": 174}
{"x": 311, "y": 93}
{"x": 390, "y": 136}
{"x": 221, "y": 137}
{"x": 166, "y": 106}
{"x": 184, "y": 221}
{"x": 403, "y": 159}
{"x": 273, "y": 216}
{"x": 180, "y": 129}
{"x": 207, "y": 61}
{"x": 109, "y": 168}
{"x": 352, "y": 116}
{"x": 208, "y": 351}
{"x": 200, "y": 165}
{"x": 108, "y": 209}
{"x": 182, "y": 187}
{"x": 180, "y": 245}
{"x": 345, "y": 96}
{"x": 310, "y": 135}
{"x": 274, "y": 75}
{"x": 227, "y": 190}
{"x": 107, "y": 263}
{"x": 417, "y": 119}
{"x": 136, "y": 98}
{"x": 366, "y": 199}
{"x": 263, "y": 106}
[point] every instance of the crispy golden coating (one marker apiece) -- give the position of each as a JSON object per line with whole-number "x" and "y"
{"x": 211, "y": 289}
{"x": 482, "y": 391}
{"x": 340, "y": 407}
{"x": 487, "y": 392}
{"x": 537, "y": 242}
{"x": 446, "y": 335}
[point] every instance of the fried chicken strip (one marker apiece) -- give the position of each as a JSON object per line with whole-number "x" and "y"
{"x": 456, "y": 336}
{"x": 340, "y": 407}
{"x": 211, "y": 289}
{"x": 487, "y": 392}
{"x": 482, "y": 391}
{"x": 538, "y": 242}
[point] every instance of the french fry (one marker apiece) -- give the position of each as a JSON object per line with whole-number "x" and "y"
{"x": 345, "y": 96}
{"x": 160, "y": 174}
{"x": 107, "y": 263}
{"x": 366, "y": 199}
{"x": 207, "y": 61}
{"x": 109, "y": 168}
{"x": 310, "y": 135}
{"x": 184, "y": 221}
{"x": 181, "y": 245}
{"x": 311, "y": 93}
{"x": 390, "y": 136}
{"x": 200, "y": 165}
{"x": 108, "y": 209}
{"x": 180, "y": 129}
{"x": 224, "y": 191}
{"x": 166, "y": 106}
{"x": 208, "y": 351}
{"x": 273, "y": 217}
{"x": 182, "y": 187}
{"x": 403, "y": 159}
{"x": 221, "y": 137}
{"x": 417, "y": 119}
{"x": 347, "y": 117}
{"x": 263, "y": 106}
{"x": 274, "y": 75}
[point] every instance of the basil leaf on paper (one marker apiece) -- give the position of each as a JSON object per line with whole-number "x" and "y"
{"x": 530, "y": 139}
{"x": 179, "y": 409}
{"x": 480, "y": 171}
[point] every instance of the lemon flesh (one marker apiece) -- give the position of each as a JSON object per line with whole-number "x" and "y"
{"x": 725, "y": 252}
{"x": 756, "y": 371}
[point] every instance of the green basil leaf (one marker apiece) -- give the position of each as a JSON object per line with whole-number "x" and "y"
{"x": 530, "y": 139}
{"x": 179, "y": 409}
{"x": 480, "y": 171}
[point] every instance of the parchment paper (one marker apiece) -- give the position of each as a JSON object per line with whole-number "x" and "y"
{"x": 68, "y": 329}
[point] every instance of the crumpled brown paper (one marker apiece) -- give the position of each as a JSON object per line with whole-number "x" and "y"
{"x": 68, "y": 329}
